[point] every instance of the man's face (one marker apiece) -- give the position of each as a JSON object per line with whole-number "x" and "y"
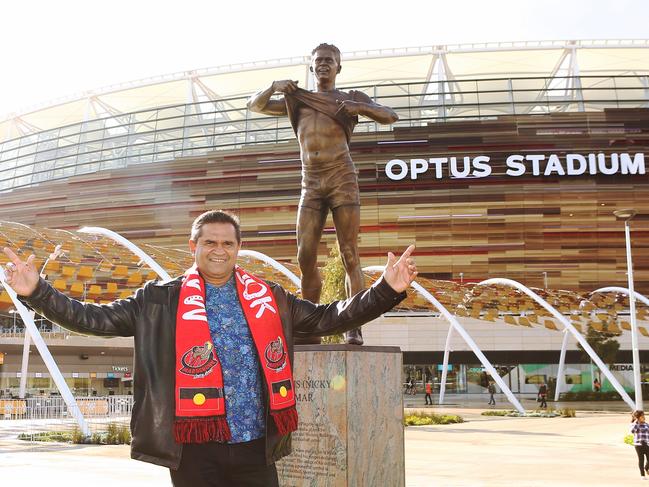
{"x": 324, "y": 64}
{"x": 215, "y": 252}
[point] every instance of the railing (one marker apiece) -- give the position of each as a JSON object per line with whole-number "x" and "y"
{"x": 170, "y": 132}
{"x": 53, "y": 407}
{"x": 40, "y": 414}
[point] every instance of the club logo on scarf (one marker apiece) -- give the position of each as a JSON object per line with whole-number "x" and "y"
{"x": 199, "y": 360}
{"x": 275, "y": 356}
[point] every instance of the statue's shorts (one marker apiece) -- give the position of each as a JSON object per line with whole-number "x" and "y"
{"x": 335, "y": 186}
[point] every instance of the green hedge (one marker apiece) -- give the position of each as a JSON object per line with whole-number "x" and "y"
{"x": 537, "y": 413}
{"x": 116, "y": 435}
{"x": 590, "y": 396}
{"x": 422, "y": 419}
{"x": 48, "y": 436}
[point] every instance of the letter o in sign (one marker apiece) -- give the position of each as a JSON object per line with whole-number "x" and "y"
{"x": 396, "y": 164}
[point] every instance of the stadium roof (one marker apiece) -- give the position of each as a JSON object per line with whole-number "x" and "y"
{"x": 444, "y": 63}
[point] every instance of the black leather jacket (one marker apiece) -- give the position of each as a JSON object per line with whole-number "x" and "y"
{"x": 149, "y": 315}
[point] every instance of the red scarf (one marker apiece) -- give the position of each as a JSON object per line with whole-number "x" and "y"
{"x": 200, "y": 400}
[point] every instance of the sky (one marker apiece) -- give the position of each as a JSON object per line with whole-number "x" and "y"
{"x": 57, "y": 49}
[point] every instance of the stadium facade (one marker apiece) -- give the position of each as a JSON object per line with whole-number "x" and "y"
{"x": 508, "y": 160}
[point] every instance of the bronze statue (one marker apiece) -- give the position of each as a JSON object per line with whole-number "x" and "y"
{"x": 323, "y": 121}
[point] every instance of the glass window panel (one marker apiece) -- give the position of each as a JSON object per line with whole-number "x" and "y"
{"x": 26, "y": 160}
{"x": 29, "y": 149}
{"x": 88, "y": 157}
{"x": 39, "y": 177}
{"x": 48, "y": 135}
{"x": 10, "y": 144}
{"x": 115, "y": 142}
{"x": 7, "y": 184}
{"x": 148, "y": 116}
{"x": 107, "y": 154}
{"x": 66, "y": 151}
{"x": 63, "y": 172}
{"x": 92, "y": 136}
{"x": 70, "y": 130}
{"x": 142, "y": 158}
{"x": 45, "y": 155}
{"x": 24, "y": 169}
{"x": 87, "y": 168}
{"x": 22, "y": 181}
{"x": 7, "y": 174}
{"x": 5, "y": 166}
{"x": 169, "y": 134}
{"x": 113, "y": 163}
{"x": 9, "y": 154}
{"x": 135, "y": 139}
{"x": 69, "y": 140}
{"x": 28, "y": 140}
{"x": 92, "y": 125}
{"x": 637, "y": 94}
{"x": 90, "y": 147}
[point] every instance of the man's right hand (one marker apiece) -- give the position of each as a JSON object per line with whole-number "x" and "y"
{"x": 285, "y": 86}
{"x": 21, "y": 276}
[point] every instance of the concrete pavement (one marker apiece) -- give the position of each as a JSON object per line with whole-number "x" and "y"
{"x": 484, "y": 451}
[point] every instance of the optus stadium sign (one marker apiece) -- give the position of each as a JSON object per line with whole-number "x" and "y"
{"x": 517, "y": 165}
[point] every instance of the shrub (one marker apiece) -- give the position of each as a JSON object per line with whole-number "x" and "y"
{"x": 78, "y": 436}
{"x": 590, "y": 396}
{"x": 537, "y": 413}
{"x": 568, "y": 413}
{"x": 422, "y": 419}
{"x": 124, "y": 435}
{"x": 117, "y": 435}
{"x": 58, "y": 436}
{"x": 111, "y": 434}
{"x": 495, "y": 412}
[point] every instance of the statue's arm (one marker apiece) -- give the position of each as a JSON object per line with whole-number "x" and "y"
{"x": 260, "y": 102}
{"x": 365, "y": 106}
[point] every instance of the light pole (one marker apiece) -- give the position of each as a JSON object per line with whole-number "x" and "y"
{"x": 627, "y": 215}
{"x": 545, "y": 280}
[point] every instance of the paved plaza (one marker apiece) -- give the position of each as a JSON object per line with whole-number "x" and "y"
{"x": 483, "y": 451}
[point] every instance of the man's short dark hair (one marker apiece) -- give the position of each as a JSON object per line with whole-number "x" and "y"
{"x": 215, "y": 216}
{"x": 330, "y": 47}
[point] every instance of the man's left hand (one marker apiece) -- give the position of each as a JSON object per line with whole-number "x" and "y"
{"x": 349, "y": 108}
{"x": 400, "y": 273}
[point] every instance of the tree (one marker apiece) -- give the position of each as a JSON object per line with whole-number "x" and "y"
{"x": 333, "y": 286}
{"x": 603, "y": 343}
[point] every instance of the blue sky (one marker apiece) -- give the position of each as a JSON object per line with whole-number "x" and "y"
{"x": 54, "y": 49}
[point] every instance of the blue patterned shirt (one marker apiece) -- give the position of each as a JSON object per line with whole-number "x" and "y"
{"x": 640, "y": 433}
{"x": 235, "y": 348}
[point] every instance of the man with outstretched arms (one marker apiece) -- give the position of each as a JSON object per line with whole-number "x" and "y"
{"x": 323, "y": 121}
{"x": 214, "y": 391}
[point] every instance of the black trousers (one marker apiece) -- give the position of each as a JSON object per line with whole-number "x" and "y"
{"x": 225, "y": 465}
{"x": 643, "y": 457}
{"x": 427, "y": 398}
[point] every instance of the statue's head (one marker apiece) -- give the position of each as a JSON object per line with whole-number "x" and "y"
{"x": 325, "y": 61}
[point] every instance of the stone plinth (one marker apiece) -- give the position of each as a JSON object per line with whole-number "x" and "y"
{"x": 350, "y": 408}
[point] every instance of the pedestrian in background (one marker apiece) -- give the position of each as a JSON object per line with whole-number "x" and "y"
{"x": 640, "y": 431}
{"x": 543, "y": 396}
{"x": 492, "y": 390}
{"x": 428, "y": 398}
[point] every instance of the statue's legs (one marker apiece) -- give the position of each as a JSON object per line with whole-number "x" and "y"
{"x": 347, "y": 220}
{"x": 310, "y": 223}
